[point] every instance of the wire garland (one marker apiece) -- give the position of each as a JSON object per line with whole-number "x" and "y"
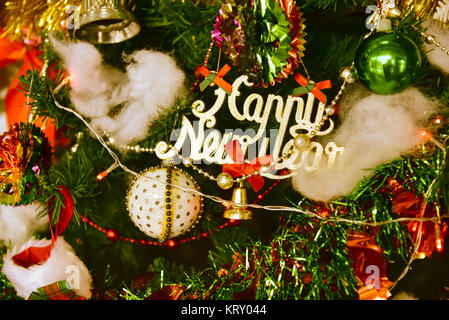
{"x": 217, "y": 199}
{"x": 420, "y": 219}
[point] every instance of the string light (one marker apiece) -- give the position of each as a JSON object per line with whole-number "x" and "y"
{"x": 415, "y": 254}
{"x": 253, "y": 205}
{"x": 425, "y": 135}
{"x": 420, "y": 219}
{"x": 439, "y": 245}
{"x": 113, "y": 235}
{"x": 103, "y": 174}
{"x": 438, "y": 119}
{"x": 439, "y": 240}
{"x": 189, "y": 190}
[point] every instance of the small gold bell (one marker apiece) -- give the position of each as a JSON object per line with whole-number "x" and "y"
{"x": 238, "y": 212}
{"x": 102, "y": 21}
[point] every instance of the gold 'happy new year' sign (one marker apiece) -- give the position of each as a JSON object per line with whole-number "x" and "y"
{"x": 209, "y": 145}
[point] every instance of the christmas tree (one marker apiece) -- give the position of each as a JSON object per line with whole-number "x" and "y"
{"x": 224, "y": 150}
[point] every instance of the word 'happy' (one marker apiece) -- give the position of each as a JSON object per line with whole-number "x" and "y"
{"x": 209, "y": 145}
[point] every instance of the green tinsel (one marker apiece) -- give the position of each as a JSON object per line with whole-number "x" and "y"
{"x": 283, "y": 255}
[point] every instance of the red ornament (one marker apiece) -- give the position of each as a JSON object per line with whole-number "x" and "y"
{"x": 408, "y": 205}
{"x": 364, "y": 253}
{"x": 112, "y": 235}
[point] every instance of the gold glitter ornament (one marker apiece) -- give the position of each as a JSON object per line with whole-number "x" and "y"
{"x": 225, "y": 181}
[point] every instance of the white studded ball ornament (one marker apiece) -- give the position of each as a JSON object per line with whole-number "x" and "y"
{"x": 160, "y": 209}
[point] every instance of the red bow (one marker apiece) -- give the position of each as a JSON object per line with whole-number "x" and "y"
{"x": 314, "y": 88}
{"x": 214, "y": 77}
{"x": 15, "y": 101}
{"x": 240, "y": 167}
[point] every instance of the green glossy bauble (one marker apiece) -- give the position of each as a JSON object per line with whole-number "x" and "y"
{"x": 387, "y": 62}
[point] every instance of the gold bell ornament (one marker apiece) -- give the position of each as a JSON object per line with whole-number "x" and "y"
{"x": 238, "y": 212}
{"x": 105, "y": 21}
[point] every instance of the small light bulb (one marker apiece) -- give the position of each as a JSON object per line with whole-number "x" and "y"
{"x": 439, "y": 245}
{"x": 425, "y": 135}
{"x": 102, "y": 175}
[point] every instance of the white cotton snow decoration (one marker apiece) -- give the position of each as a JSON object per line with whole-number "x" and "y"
{"x": 375, "y": 129}
{"x": 436, "y": 56}
{"x": 18, "y": 224}
{"x": 152, "y": 82}
{"x": 63, "y": 264}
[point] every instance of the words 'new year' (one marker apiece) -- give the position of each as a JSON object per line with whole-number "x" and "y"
{"x": 208, "y": 144}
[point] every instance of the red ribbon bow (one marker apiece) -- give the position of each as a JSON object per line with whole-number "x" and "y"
{"x": 15, "y": 100}
{"x": 312, "y": 87}
{"x": 240, "y": 167}
{"x": 214, "y": 77}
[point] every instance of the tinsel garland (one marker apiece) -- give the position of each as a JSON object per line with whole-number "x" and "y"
{"x": 28, "y": 19}
{"x": 263, "y": 38}
{"x": 25, "y": 159}
{"x": 274, "y": 266}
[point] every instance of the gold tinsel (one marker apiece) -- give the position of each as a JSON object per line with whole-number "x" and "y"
{"x": 24, "y": 19}
{"x": 421, "y": 8}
